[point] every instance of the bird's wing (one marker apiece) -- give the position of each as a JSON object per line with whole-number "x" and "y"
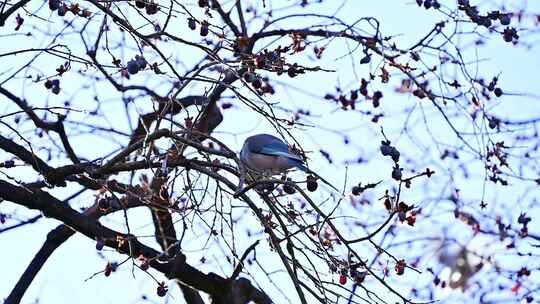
{"x": 279, "y": 150}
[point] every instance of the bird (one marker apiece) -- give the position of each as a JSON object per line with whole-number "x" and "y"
{"x": 267, "y": 155}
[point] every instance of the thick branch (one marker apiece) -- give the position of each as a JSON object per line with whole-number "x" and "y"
{"x": 211, "y": 283}
{"x": 11, "y": 10}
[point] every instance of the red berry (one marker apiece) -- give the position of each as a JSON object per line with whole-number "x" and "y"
{"x": 342, "y": 279}
{"x": 400, "y": 267}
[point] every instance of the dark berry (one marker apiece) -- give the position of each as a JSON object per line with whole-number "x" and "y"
{"x": 428, "y": 4}
{"x": 356, "y": 190}
{"x": 386, "y": 150}
{"x": 509, "y": 34}
{"x": 394, "y": 153}
{"x": 151, "y": 8}
{"x": 9, "y": 164}
{"x": 100, "y": 244}
{"x": 268, "y": 187}
{"x": 436, "y": 4}
{"x": 204, "y": 28}
{"x": 288, "y": 189}
{"x": 203, "y": 3}
{"x": 103, "y": 204}
{"x": 312, "y": 183}
{"x": 56, "y": 90}
{"x": 55, "y": 82}
{"x": 366, "y": 59}
{"x": 257, "y": 83}
{"x": 486, "y": 22}
{"x": 498, "y": 92}
{"x": 145, "y": 264}
{"x": 132, "y": 67}
{"x": 249, "y": 77}
{"x": 62, "y": 10}
{"x": 492, "y": 123}
{"x": 141, "y": 62}
{"x": 192, "y": 24}
{"x": 504, "y": 19}
{"x": 140, "y": 4}
{"x": 48, "y": 84}
{"x": 354, "y": 95}
{"x": 54, "y": 4}
{"x": 161, "y": 290}
{"x": 396, "y": 173}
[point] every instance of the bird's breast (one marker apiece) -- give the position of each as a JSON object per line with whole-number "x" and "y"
{"x": 263, "y": 162}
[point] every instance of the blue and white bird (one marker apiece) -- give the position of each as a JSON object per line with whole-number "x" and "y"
{"x": 267, "y": 155}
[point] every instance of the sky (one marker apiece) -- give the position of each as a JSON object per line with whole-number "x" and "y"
{"x": 68, "y": 274}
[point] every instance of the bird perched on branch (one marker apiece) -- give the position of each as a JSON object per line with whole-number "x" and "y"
{"x": 267, "y": 155}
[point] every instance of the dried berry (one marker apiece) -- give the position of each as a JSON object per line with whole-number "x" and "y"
{"x": 249, "y": 77}
{"x": 396, "y": 173}
{"x": 400, "y": 267}
{"x": 103, "y": 204}
{"x": 152, "y": 8}
{"x": 192, "y": 24}
{"x": 386, "y": 149}
{"x": 257, "y": 83}
{"x": 141, "y": 62}
{"x": 312, "y": 183}
{"x": 204, "y": 28}
{"x": 62, "y": 10}
{"x": 394, "y": 153}
{"x": 9, "y": 164}
{"x": 145, "y": 264}
{"x": 288, "y": 189}
{"x": 366, "y": 59}
{"x": 99, "y": 244}
{"x": 504, "y": 19}
{"x": 140, "y": 4}
{"x": 54, "y": 4}
{"x": 161, "y": 290}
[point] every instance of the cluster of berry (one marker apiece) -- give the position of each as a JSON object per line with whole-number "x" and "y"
{"x": 53, "y": 85}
